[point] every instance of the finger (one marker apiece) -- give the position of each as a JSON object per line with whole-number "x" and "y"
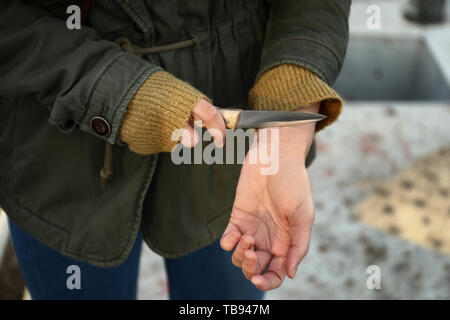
{"x": 230, "y": 237}
{"x": 212, "y": 120}
{"x": 189, "y": 137}
{"x": 250, "y": 264}
{"x": 255, "y": 262}
{"x": 300, "y": 235}
{"x": 245, "y": 243}
{"x": 274, "y": 277}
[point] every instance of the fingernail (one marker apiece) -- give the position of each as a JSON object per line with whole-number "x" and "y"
{"x": 256, "y": 282}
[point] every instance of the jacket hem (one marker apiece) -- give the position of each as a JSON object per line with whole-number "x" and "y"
{"x": 214, "y": 235}
{"x": 32, "y": 223}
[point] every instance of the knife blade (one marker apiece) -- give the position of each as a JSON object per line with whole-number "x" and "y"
{"x": 246, "y": 119}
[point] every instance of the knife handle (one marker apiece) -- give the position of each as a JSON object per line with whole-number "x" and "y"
{"x": 230, "y": 116}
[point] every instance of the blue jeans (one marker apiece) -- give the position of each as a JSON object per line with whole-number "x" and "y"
{"x": 204, "y": 274}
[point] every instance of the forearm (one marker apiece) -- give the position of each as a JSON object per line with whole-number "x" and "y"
{"x": 304, "y": 48}
{"x": 312, "y": 34}
{"x": 289, "y": 87}
{"x": 74, "y": 74}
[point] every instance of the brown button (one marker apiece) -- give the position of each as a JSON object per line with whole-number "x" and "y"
{"x": 101, "y": 126}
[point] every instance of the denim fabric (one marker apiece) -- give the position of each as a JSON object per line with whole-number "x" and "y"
{"x": 204, "y": 274}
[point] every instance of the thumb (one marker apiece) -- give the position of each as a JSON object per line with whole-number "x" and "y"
{"x": 300, "y": 237}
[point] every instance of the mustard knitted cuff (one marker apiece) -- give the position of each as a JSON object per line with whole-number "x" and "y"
{"x": 161, "y": 105}
{"x": 289, "y": 87}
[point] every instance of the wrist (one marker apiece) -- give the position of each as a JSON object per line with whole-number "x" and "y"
{"x": 295, "y": 141}
{"x": 289, "y": 87}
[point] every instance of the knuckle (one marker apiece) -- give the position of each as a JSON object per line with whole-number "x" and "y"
{"x": 209, "y": 112}
{"x": 304, "y": 252}
{"x": 243, "y": 244}
{"x": 247, "y": 275}
{"x": 276, "y": 285}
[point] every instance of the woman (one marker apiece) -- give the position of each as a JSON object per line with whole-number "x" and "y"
{"x": 87, "y": 117}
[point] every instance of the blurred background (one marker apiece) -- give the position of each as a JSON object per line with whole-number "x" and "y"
{"x": 381, "y": 180}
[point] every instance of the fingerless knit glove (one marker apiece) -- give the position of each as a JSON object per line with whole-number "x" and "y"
{"x": 289, "y": 87}
{"x": 162, "y": 104}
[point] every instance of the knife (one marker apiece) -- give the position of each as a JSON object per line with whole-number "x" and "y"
{"x": 246, "y": 119}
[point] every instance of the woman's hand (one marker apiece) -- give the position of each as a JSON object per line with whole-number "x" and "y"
{"x": 272, "y": 215}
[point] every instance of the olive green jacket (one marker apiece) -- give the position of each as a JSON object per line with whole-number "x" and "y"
{"x": 54, "y": 81}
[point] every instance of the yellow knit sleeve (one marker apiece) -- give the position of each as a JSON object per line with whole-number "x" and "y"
{"x": 161, "y": 105}
{"x": 289, "y": 87}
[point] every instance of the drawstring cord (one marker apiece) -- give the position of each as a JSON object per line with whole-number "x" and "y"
{"x": 107, "y": 171}
{"x": 127, "y": 46}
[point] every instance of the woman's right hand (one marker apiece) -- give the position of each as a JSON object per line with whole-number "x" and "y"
{"x": 159, "y": 114}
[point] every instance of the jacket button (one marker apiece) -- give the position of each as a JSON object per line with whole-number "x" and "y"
{"x": 100, "y": 126}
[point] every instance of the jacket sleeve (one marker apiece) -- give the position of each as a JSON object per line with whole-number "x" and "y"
{"x": 309, "y": 33}
{"x": 75, "y": 74}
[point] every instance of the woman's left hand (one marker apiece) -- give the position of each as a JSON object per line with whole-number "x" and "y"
{"x": 272, "y": 216}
